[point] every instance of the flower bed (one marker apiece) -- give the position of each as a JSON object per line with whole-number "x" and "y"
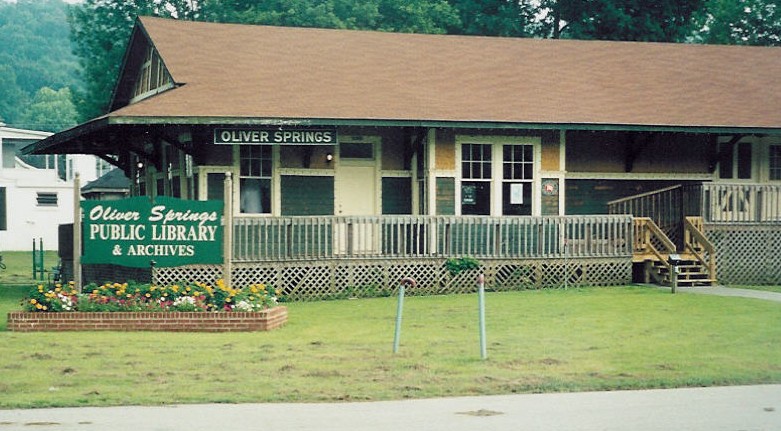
{"x": 141, "y": 307}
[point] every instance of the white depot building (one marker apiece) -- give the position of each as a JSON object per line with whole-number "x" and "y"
{"x": 36, "y": 192}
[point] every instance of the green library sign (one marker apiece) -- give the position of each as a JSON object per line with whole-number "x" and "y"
{"x": 136, "y": 231}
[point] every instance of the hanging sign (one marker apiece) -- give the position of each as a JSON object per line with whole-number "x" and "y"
{"x": 134, "y": 232}
{"x": 275, "y": 136}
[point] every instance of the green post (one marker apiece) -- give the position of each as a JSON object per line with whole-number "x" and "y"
{"x": 38, "y": 271}
{"x": 400, "y": 311}
{"x": 481, "y": 307}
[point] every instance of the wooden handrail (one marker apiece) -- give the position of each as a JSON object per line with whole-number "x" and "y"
{"x": 645, "y": 230}
{"x": 642, "y": 195}
{"x": 693, "y": 237}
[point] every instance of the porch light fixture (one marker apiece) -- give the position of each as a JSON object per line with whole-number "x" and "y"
{"x": 329, "y": 157}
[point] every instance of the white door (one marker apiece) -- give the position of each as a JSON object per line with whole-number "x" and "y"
{"x": 356, "y": 189}
{"x": 356, "y": 196}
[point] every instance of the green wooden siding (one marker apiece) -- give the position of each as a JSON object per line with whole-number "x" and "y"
{"x": 446, "y": 196}
{"x": 591, "y": 196}
{"x": 307, "y": 195}
{"x": 396, "y": 196}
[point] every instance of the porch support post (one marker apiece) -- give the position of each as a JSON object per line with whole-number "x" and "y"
{"x": 227, "y": 238}
{"x": 77, "y": 232}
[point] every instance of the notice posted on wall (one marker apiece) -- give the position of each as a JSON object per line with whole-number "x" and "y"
{"x": 516, "y": 194}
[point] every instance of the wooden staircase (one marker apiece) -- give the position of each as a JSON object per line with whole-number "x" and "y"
{"x": 652, "y": 248}
{"x": 691, "y": 273}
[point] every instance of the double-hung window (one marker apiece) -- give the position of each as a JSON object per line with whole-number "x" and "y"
{"x": 774, "y": 161}
{"x": 476, "y": 173}
{"x": 517, "y": 179}
{"x": 255, "y": 179}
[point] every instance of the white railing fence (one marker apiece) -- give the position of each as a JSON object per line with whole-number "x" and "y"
{"x": 333, "y": 237}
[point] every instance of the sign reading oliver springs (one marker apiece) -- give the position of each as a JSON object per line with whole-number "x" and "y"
{"x": 275, "y": 136}
{"x": 172, "y": 232}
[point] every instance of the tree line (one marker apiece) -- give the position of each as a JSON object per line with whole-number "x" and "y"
{"x": 99, "y": 30}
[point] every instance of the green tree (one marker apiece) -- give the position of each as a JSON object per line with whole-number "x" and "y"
{"x": 634, "y": 20}
{"x": 419, "y": 16}
{"x": 11, "y": 95}
{"x": 50, "y": 110}
{"x": 100, "y": 30}
{"x": 740, "y": 22}
{"x": 35, "y": 52}
{"x": 495, "y": 17}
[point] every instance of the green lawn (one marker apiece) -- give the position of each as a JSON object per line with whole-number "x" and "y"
{"x": 19, "y": 266}
{"x": 538, "y": 341}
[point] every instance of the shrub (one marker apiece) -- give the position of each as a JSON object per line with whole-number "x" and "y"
{"x": 455, "y": 265}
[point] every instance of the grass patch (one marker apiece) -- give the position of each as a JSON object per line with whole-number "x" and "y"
{"x": 538, "y": 341}
{"x": 19, "y": 266}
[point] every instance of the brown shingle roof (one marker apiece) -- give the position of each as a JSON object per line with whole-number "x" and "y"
{"x": 260, "y": 72}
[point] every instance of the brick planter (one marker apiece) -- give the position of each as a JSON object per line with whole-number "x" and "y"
{"x": 265, "y": 320}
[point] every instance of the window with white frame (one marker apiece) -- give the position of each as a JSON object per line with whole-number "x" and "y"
{"x": 255, "y": 179}
{"x": 774, "y": 161}
{"x": 517, "y": 179}
{"x": 476, "y": 175}
{"x": 497, "y": 178}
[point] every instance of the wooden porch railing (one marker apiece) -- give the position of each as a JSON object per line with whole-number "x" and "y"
{"x": 698, "y": 245}
{"x": 332, "y": 237}
{"x": 745, "y": 203}
{"x": 651, "y": 242}
{"x": 664, "y": 206}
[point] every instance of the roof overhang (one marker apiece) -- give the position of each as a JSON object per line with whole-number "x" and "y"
{"x": 96, "y": 136}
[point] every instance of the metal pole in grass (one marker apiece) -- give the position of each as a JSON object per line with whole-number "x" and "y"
{"x": 400, "y": 311}
{"x": 481, "y": 306}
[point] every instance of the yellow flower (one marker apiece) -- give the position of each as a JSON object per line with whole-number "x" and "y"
{"x": 45, "y": 308}
{"x": 148, "y": 295}
{"x": 33, "y": 301}
{"x": 38, "y": 306}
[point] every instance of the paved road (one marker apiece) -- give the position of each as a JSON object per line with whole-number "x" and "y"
{"x": 737, "y": 408}
{"x": 729, "y": 291}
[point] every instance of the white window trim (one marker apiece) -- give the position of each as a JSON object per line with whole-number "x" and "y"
{"x": 203, "y": 171}
{"x": 276, "y": 184}
{"x": 497, "y": 178}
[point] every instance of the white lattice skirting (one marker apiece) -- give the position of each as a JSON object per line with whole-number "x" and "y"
{"x": 747, "y": 253}
{"x": 327, "y": 279}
